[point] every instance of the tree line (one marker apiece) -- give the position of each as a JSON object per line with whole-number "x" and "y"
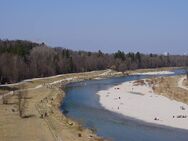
{"x": 21, "y": 59}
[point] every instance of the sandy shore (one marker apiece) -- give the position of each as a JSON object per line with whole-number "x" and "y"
{"x": 137, "y": 99}
{"x": 154, "y": 73}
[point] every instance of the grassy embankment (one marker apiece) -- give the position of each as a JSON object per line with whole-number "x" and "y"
{"x": 168, "y": 87}
{"x": 42, "y": 119}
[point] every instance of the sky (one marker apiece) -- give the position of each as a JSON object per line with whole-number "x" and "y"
{"x": 147, "y": 26}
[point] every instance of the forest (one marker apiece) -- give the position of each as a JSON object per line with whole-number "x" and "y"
{"x": 20, "y": 59}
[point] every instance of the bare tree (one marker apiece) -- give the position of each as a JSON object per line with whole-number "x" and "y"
{"x": 21, "y": 60}
{"x": 43, "y": 61}
{"x": 21, "y": 95}
{"x": 20, "y": 104}
{"x": 122, "y": 67}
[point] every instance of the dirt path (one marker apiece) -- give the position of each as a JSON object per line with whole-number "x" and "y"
{"x": 12, "y": 92}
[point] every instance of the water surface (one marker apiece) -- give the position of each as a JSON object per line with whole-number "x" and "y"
{"x": 82, "y": 104}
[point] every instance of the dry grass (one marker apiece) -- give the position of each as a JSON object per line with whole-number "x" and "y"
{"x": 41, "y": 101}
{"x": 35, "y": 128}
{"x": 167, "y": 86}
{"x": 15, "y": 128}
{"x": 139, "y": 82}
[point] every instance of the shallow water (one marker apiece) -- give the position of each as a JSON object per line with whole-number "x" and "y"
{"x": 83, "y": 105}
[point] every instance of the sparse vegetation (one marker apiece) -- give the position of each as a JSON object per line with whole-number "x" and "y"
{"x": 21, "y": 104}
{"x": 168, "y": 87}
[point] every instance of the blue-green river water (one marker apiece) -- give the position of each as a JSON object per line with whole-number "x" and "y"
{"x": 82, "y": 104}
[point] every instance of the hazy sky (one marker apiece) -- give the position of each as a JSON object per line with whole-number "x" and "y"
{"x": 156, "y": 26}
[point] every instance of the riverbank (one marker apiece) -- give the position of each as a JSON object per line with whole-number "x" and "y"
{"x": 42, "y": 118}
{"x": 149, "y": 100}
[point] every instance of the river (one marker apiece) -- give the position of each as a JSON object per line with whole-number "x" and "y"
{"x": 82, "y": 104}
